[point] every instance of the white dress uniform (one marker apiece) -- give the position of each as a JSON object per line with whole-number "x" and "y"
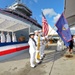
{"x": 32, "y": 51}
{"x": 36, "y": 39}
{"x": 14, "y": 38}
{"x": 60, "y": 45}
{"x": 2, "y": 37}
{"x": 8, "y": 38}
{"x": 42, "y": 46}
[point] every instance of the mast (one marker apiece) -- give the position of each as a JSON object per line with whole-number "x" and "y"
{"x": 20, "y": 8}
{"x": 18, "y": 1}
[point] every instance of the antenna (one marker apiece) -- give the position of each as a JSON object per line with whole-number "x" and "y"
{"x": 18, "y": 1}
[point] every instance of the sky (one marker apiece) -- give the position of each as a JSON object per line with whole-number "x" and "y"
{"x": 52, "y": 9}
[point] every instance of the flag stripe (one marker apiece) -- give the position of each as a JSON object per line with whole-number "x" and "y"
{"x": 45, "y": 27}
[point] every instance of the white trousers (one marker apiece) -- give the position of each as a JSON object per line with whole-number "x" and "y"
{"x": 37, "y": 61}
{"x": 59, "y": 47}
{"x": 32, "y": 59}
{"x": 42, "y": 47}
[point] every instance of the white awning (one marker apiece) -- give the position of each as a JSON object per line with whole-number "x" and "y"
{"x": 10, "y": 24}
{"x": 52, "y": 31}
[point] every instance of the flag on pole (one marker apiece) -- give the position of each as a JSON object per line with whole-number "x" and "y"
{"x": 45, "y": 26}
{"x": 63, "y": 29}
{"x": 66, "y": 43}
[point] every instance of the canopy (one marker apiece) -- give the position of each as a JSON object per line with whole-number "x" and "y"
{"x": 52, "y": 31}
{"x": 10, "y": 24}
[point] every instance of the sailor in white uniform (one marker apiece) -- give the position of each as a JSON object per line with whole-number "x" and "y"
{"x": 8, "y": 38}
{"x": 2, "y": 37}
{"x": 14, "y": 38}
{"x": 60, "y": 45}
{"x": 42, "y": 44}
{"x": 32, "y": 49}
{"x": 36, "y": 39}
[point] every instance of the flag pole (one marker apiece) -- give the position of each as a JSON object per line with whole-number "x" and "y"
{"x": 44, "y": 28}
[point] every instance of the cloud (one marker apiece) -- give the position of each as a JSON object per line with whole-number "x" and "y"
{"x": 35, "y": 1}
{"x": 49, "y": 12}
{"x": 55, "y": 19}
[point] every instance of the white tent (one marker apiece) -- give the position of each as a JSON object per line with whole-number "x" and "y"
{"x": 52, "y": 31}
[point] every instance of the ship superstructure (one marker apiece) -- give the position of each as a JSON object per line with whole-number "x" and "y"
{"x": 18, "y": 11}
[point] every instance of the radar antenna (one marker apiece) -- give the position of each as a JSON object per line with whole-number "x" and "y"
{"x": 18, "y": 1}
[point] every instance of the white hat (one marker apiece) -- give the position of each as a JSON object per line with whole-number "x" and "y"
{"x": 36, "y": 31}
{"x": 31, "y": 33}
{"x": 40, "y": 30}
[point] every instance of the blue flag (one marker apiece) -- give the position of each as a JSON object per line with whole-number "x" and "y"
{"x": 63, "y": 29}
{"x": 66, "y": 43}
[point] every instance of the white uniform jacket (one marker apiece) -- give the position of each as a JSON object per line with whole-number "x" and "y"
{"x": 2, "y": 38}
{"x": 14, "y": 38}
{"x": 8, "y": 38}
{"x": 36, "y": 39}
{"x": 42, "y": 40}
{"x": 32, "y": 45}
{"x": 60, "y": 45}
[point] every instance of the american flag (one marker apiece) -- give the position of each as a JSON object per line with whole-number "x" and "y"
{"x": 45, "y": 26}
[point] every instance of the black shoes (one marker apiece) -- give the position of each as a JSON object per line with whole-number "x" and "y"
{"x": 39, "y": 62}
